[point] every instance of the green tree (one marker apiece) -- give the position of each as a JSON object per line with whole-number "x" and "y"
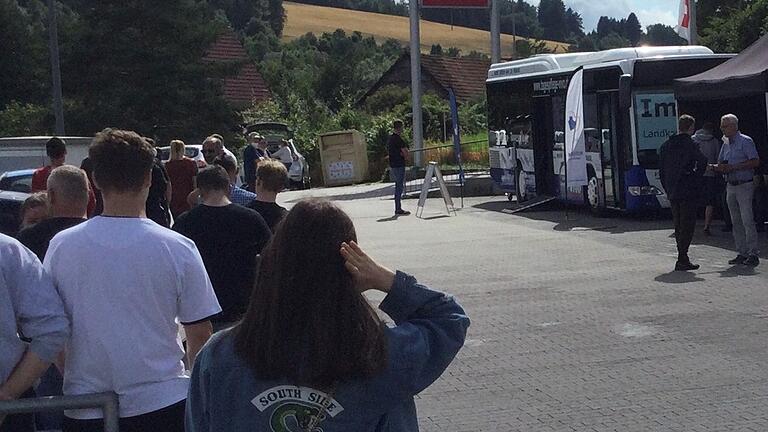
{"x": 436, "y": 50}
{"x": 661, "y": 35}
{"x": 633, "y": 30}
{"x": 552, "y": 19}
{"x": 247, "y": 15}
{"x": 574, "y": 24}
{"x": 453, "y": 52}
{"x": 138, "y": 64}
{"x": 19, "y": 119}
{"x": 387, "y": 98}
{"x": 525, "y": 17}
{"x": 24, "y": 73}
{"x": 707, "y": 10}
{"x": 735, "y": 31}
{"x": 526, "y": 48}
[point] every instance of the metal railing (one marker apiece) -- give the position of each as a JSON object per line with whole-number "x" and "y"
{"x": 108, "y": 403}
{"x": 474, "y": 158}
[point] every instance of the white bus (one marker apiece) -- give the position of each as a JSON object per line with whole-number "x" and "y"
{"x": 629, "y": 111}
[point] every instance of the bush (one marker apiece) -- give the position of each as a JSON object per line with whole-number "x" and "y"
{"x": 22, "y": 119}
{"x": 387, "y": 98}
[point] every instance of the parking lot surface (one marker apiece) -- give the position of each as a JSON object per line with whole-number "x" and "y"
{"x": 578, "y": 324}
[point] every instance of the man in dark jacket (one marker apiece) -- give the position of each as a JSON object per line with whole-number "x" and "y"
{"x": 681, "y": 169}
{"x": 397, "y": 149}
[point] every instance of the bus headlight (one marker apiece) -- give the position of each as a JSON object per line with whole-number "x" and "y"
{"x": 644, "y": 190}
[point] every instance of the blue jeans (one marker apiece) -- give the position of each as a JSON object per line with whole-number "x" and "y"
{"x": 397, "y": 174}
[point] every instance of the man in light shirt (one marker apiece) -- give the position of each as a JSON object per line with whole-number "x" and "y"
{"x": 126, "y": 282}
{"x": 737, "y": 160}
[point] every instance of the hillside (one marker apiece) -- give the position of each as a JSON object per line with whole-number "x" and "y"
{"x": 303, "y": 18}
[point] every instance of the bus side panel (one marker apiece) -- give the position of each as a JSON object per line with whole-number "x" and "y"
{"x": 638, "y": 176}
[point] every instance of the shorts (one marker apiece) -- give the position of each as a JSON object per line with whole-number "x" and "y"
{"x": 713, "y": 191}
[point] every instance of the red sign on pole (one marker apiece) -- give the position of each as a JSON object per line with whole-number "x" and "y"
{"x": 481, "y": 4}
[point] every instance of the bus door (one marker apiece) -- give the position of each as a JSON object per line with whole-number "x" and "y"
{"x": 610, "y": 157}
{"x": 543, "y": 146}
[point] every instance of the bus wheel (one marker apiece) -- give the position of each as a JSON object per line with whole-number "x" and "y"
{"x": 520, "y": 184}
{"x": 593, "y": 195}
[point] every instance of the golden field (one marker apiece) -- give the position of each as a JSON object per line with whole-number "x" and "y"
{"x": 302, "y": 19}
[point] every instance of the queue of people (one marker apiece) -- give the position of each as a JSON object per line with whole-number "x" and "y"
{"x": 695, "y": 168}
{"x": 103, "y": 299}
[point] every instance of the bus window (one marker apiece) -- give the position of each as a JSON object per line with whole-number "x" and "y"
{"x": 655, "y": 121}
{"x": 520, "y": 134}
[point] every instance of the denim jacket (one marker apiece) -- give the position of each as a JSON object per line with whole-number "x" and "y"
{"x": 430, "y": 329}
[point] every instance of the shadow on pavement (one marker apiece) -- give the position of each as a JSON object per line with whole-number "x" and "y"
{"x": 435, "y": 217}
{"x": 385, "y": 190}
{"x": 579, "y": 218}
{"x": 739, "y": 270}
{"x": 677, "y": 277}
{"x": 389, "y": 219}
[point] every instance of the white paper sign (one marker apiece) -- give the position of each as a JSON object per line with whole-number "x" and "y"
{"x": 341, "y": 170}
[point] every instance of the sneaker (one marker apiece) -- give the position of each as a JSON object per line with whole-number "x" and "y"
{"x": 752, "y": 261}
{"x": 685, "y": 266}
{"x": 402, "y": 212}
{"x": 738, "y": 260}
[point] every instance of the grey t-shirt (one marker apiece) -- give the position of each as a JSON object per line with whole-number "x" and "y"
{"x": 709, "y": 146}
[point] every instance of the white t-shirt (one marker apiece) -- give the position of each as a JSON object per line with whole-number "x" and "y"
{"x": 284, "y": 154}
{"x": 124, "y": 283}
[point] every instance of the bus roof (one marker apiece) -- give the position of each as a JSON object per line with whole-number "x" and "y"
{"x": 555, "y": 63}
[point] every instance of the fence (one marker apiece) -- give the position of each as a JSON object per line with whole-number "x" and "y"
{"x": 106, "y": 401}
{"x": 474, "y": 158}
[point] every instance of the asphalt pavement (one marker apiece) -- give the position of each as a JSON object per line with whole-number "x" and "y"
{"x": 578, "y": 324}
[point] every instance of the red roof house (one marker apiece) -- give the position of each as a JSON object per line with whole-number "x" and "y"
{"x": 466, "y": 76}
{"x": 247, "y": 85}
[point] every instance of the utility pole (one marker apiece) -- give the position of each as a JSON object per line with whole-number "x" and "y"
{"x": 495, "y": 32}
{"x": 514, "y": 32}
{"x": 53, "y": 45}
{"x": 694, "y": 37}
{"x": 418, "y": 140}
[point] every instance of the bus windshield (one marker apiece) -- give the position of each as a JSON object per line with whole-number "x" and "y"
{"x": 655, "y": 121}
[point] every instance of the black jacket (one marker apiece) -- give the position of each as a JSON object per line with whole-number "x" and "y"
{"x": 681, "y": 168}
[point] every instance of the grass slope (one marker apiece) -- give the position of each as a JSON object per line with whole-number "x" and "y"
{"x": 302, "y": 19}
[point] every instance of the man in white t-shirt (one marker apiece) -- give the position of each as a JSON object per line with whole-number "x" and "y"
{"x": 125, "y": 282}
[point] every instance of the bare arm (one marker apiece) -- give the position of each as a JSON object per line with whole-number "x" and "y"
{"x": 27, "y": 371}
{"x": 197, "y": 335}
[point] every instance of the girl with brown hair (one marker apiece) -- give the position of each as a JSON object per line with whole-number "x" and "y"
{"x": 311, "y": 354}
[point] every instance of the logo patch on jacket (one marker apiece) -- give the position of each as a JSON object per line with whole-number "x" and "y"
{"x": 293, "y": 408}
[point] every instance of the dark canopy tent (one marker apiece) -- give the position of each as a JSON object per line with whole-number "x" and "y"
{"x": 744, "y": 75}
{"x": 738, "y": 86}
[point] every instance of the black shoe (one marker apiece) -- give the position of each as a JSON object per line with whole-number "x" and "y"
{"x": 752, "y": 261}
{"x": 402, "y": 212}
{"x": 738, "y": 260}
{"x": 707, "y": 231}
{"x": 727, "y": 228}
{"x": 685, "y": 266}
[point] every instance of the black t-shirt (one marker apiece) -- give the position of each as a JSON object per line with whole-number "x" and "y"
{"x": 228, "y": 238}
{"x": 37, "y": 237}
{"x": 394, "y": 145}
{"x": 157, "y": 205}
{"x": 271, "y": 212}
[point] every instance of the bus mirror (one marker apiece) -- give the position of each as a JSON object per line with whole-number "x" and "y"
{"x": 625, "y": 91}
